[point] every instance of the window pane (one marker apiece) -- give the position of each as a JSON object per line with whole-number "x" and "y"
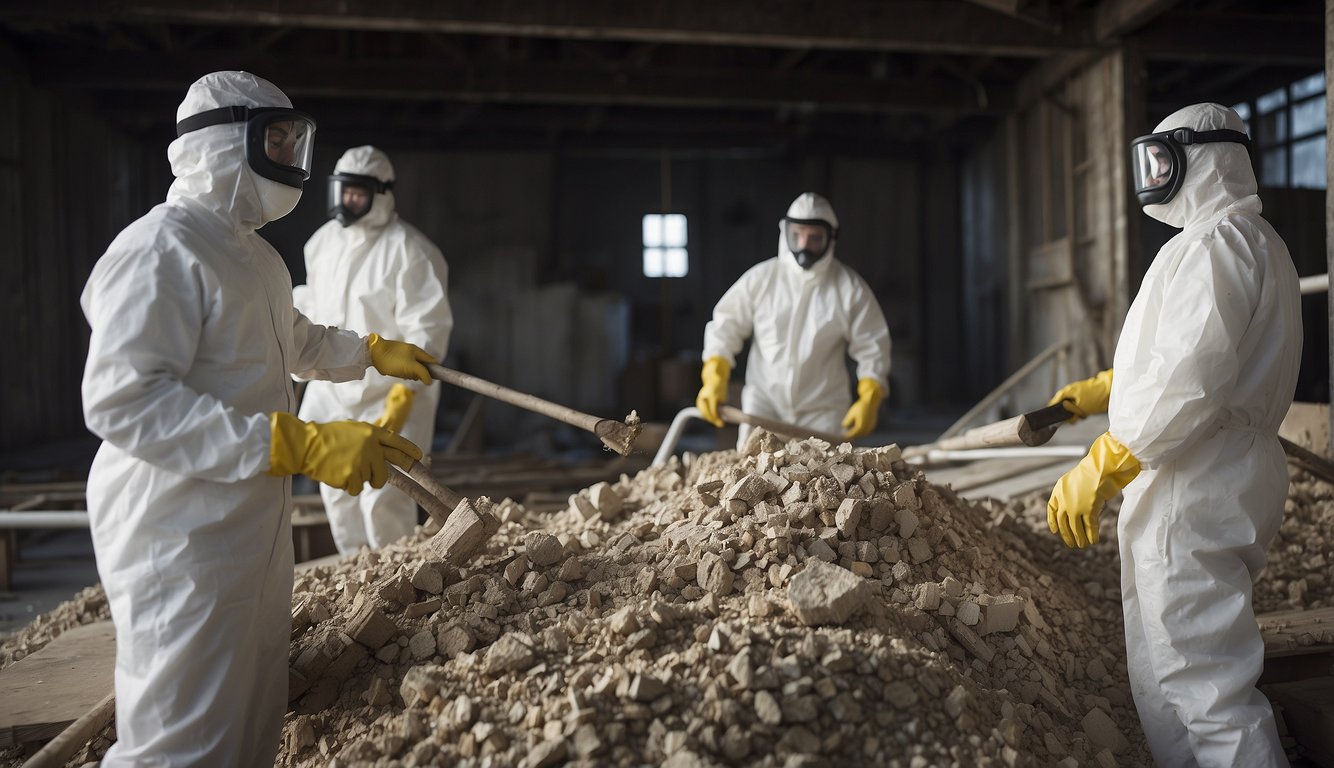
{"x": 1308, "y": 117}
{"x": 1309, "y": 86}
{"x": 1274, "y": 128}
{"x": 1243, "y": 110}
{"x": 1271, "y": 101}
{"x": 678, "y": 263}
{"x": 674, "y": 229}
{"x": 652, "y": 230}
{"x": 652, "y": 262}
{"x": 1308, "y": 163}
{"x": 1275, "y": 168}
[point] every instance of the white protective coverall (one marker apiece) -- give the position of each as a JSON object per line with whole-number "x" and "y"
{"x": 802, "y": 324}
{"x": 194, "y": 338}
{"x": 1206, "y": 366}
{"x": 383, "y": 275}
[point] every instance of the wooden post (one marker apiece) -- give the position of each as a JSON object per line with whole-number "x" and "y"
{"x": 1329, "y": 199}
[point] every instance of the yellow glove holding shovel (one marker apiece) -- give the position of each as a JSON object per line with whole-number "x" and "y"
{"x": 714, "y": 391}
{"x": 397, "y": 406}
{"x": 343, "y": 454}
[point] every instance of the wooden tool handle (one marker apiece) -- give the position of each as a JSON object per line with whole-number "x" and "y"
{"x": 434, "y": 507}
{"x": 58, "y": 751}
{"x": 738, "y": 416}
{"x": 519, "y": 399}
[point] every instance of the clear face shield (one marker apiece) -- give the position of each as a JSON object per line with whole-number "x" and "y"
{"x": 279, "y": 142}
{"x": 808, "y": 239}
{"x": 351, "y": 196}
{"x": 1159, "y": 160}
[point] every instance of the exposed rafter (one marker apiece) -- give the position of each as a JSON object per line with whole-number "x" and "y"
{"x": 540, "y": 83}
{"x": 943, "y": 26}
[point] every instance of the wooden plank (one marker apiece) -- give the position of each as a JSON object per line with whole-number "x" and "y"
{"x": 53, "y": 687}
{"x": 1019, "y": 485}
{"x": 1307, "y": 708}
{"x": 981, "y": 473}
{"x": 1294, "y": 633}
{"x": 943, "y": 26}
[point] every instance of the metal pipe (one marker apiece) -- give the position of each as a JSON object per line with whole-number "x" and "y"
{"x": 673, "y": 435}
{"x": 43, "y": 518}
{"x": 976, "y": 454}
{"x": 1313, "y": 284}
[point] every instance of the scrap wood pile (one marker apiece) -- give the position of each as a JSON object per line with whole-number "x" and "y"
{"x": 793, "y": 604}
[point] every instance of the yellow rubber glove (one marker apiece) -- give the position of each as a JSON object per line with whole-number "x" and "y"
{"x": 344, "y": 454}
{"x": 861, "y": 416}
{"x": 399, "y": 358}
{"x": 714, "y": 392}
{"x": 1079, "y": 495}
{"x": 1087, "y": 397}
{"x": 397, "y": 406}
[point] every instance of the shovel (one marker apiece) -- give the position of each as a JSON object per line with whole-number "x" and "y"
{"x": 1031, "y": 429}
{"x": 616, "y": 435}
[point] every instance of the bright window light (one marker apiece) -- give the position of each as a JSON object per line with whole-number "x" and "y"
{"x": 665, "y": 240}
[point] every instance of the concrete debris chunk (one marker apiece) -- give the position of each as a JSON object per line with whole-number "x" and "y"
{"x": 509, "y": 654}
{"x": 606, "y": 500}
{"x": 826, "y": 594}
{"x": 1103, "y": 733}
{"x": 543, "y": 549}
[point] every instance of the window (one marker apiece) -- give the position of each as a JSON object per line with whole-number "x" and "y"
{"x": 1288, "y": 128}
{"x": 665, "y": 252}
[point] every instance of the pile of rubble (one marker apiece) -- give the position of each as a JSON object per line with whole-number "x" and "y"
{"x": 794, "y": 604}
{"x": 799, "y": 604}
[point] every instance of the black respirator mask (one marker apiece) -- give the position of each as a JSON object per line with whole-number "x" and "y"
{"x": 351, "y": 195}
{"x": 808, "y": 239}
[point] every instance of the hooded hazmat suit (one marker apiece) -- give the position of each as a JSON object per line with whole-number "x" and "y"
{"x": 379, "y": 273}
{"x": 194, "y": 338}
{"x": 1206, "y": 366}
{"x": 802, "y": 324}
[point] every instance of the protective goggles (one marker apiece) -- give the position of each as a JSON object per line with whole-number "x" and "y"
{"x": 352, "y": 194}
{"x": 808, "y": 239}
{"x": 1160, "y": 160}
{"x": 279, "y": 142}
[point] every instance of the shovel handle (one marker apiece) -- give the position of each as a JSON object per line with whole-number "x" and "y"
{"x": 1047, "y": 417}
{"x": 527, "y": 402}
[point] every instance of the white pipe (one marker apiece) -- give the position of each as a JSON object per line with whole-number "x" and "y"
{"x": 43, "y": 518}
{"x": 1313, "y": 284}
{"x": 673, "y": 435}
{"x": 975, "y": 454}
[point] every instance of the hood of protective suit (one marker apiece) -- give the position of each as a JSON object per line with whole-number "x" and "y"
{"x": 369, "y": 161}
{"x": 210, "y": 163}
{"x": 808, "y": 206}
{"x": 1217, "y": 174}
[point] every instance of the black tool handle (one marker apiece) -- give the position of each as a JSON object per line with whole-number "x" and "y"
{"x": 1047, "y": 417}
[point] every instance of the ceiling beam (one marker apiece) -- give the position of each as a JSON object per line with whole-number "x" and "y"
{"x": 531, "y": 83}
{"x": 1234, "y": 37}
{"x": 943, "y": 26}
{"x": 1117, "y": 17}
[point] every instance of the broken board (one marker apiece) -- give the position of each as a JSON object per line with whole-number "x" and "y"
{"x": 53, "y": 687}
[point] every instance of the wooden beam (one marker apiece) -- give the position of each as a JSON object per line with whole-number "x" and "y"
{"x": 1117, "y": 17}
{"x": 537, "y": 83}
{"x": 946, "y": 26}
{"x": 1234, "y": 37}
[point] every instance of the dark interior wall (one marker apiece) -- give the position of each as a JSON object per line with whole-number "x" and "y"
{"x": 68, "y": 184}
{"x": 889, "y": 230}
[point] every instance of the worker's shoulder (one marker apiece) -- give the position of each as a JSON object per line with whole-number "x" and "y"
{"x": 405, "y": 235}
{"x": 166, "y": 231}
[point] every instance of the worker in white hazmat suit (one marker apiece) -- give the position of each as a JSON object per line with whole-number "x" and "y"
{"x": 188, "y": 383}
{"x": 804, "y": 312}
{"x": 367, "y": 269}
{"x": 1204, "y": 372}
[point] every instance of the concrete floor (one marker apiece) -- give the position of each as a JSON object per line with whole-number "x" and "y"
{"x": 52, "y": 566}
